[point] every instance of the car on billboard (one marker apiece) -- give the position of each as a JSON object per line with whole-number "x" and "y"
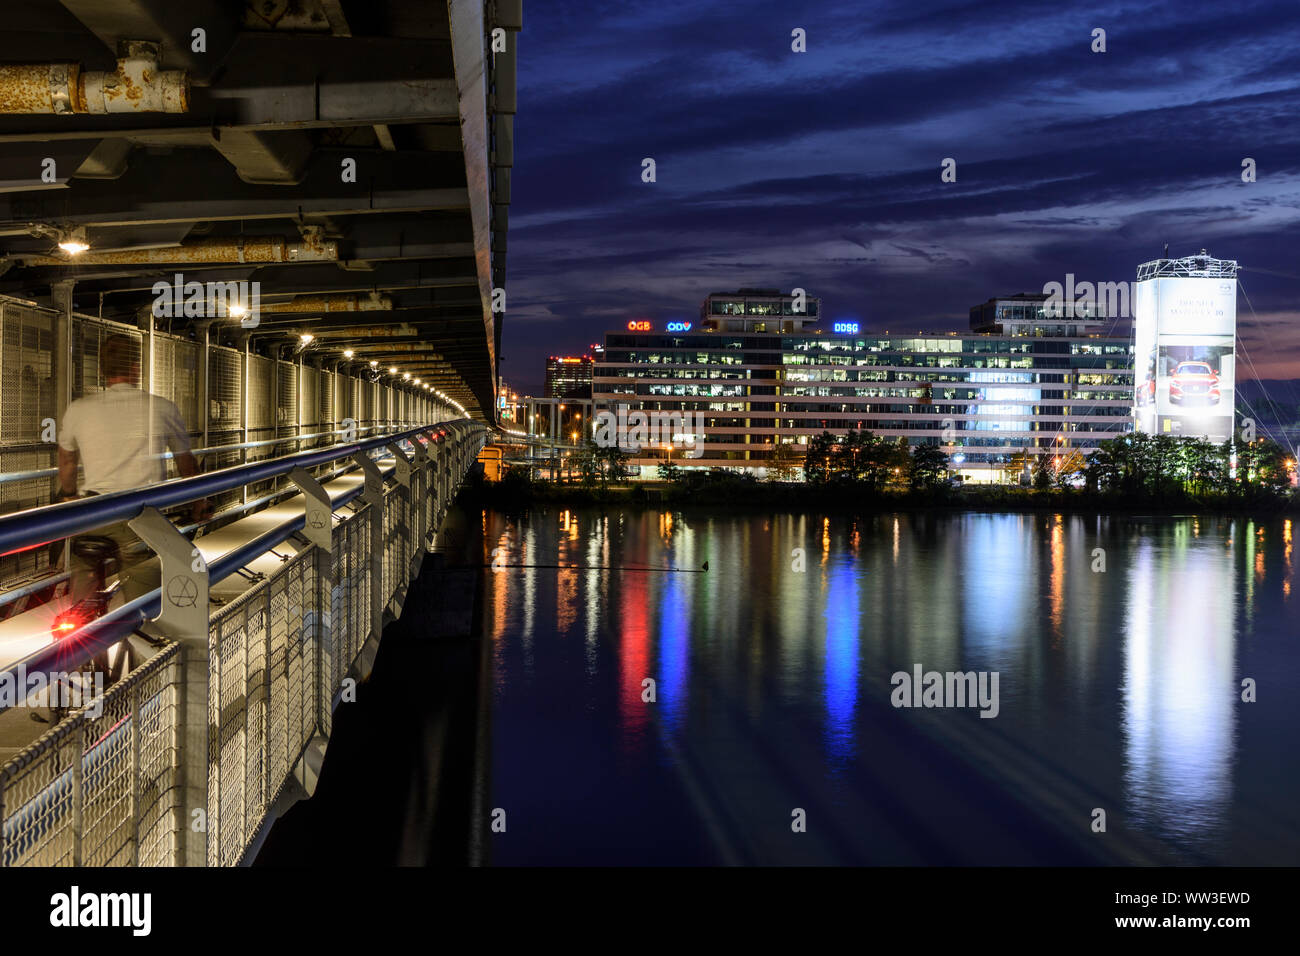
{"x": 1194, "y": 383}
{"x": 1146, "y": 390}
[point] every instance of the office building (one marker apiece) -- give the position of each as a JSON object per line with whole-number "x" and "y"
{"x": 568, "y": 375}
{"x": 767, "y": 374}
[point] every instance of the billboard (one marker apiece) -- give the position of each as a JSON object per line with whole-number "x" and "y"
{"x": 1185, "y": 333}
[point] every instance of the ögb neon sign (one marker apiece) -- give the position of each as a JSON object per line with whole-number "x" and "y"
{"x": 638, "y": 326}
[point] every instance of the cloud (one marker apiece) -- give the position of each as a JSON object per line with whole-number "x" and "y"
{"x": 821, "y": 170}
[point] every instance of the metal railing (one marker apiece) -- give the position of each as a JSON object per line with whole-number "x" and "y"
{"x": 191, "y": 757}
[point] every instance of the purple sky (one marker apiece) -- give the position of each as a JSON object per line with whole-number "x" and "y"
{"x": 821, "y": 169}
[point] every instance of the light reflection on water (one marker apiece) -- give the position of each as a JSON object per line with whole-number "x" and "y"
{"x": 1120, "y": 674}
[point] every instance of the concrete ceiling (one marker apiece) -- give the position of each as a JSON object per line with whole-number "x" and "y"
{"x": 212, "y": 138}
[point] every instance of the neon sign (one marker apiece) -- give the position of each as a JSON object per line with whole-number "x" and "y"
{"x": 851, "y": 328}
{"x": 638, "y": 326}
{"x": 679, "y": 326}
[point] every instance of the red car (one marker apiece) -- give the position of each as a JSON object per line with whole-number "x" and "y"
{"x": 1194, "y": 383}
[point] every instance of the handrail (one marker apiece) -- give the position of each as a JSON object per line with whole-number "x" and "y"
{"x": 10, "y": 477}
{"x": 36, "y": 526}
{"x": 104, "y": 632}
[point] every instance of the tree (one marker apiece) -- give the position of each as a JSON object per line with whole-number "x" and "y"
{"x": 1042, "y": 474}
{"x": 818, "y": 464}
{"x": 613, "y": 465}
{"x": 670, "y": 470}
{"x": 1067, "y": 466}
{"x": 782, "y": 464}
{"x": 926, "y": 467}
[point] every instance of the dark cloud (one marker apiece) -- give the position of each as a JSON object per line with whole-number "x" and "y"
{"x": 821, "y": 170}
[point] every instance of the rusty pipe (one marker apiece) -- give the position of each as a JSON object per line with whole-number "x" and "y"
{"x": 138, "y": 86}
{"x": 329, "y": 303}
{"x": 208, "y": 251}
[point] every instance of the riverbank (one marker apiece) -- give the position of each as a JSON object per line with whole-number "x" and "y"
{"x": 741, "y": 496}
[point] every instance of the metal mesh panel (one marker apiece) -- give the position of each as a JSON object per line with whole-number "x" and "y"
{"x": 27, "y": 407}
{"x": 365, "y": 401}
{"x": 261, "y": 417}
{"x": 26, "y": 372}
{"x": 328, "y": 418}
{"x": 101, "y": 790}
{"x": 309, "y": 402}
{"x": 176, "y": 377}
{"x": 88, "y": 337}
{"x": 261, "y": 397}
{"x": 225, "y": 414}
{"x": 397, "y": 537}
{"x": 286, "y": 404}
{"x": 262, "y": 702}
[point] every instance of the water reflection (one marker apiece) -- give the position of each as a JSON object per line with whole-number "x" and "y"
{"x": 1120, "y": 645}
{"x": 1179, "y": 715}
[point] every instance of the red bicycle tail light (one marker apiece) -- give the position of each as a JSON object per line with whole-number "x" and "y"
{"x": 65, "y": 623}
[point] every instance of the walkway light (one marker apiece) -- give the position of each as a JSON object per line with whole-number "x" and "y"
{"x": 348, "y": 353}
{"x": 74, "y": 243}
{"x": 306, "y": 338}
{"x": 406, "y": 375}
{"x": 392, "y": 370}
{"x": 374, "y": 363}
{"x": 236, "y": 311}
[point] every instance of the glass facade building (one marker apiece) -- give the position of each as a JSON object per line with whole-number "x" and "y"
{"x": 988, "y": 399}
{"x": 567, "y": 375}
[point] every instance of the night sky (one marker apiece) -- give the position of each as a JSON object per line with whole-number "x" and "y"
{"x": 822, "y": 169}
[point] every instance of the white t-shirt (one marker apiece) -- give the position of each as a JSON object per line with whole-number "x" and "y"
{"x": 121, "y": 434}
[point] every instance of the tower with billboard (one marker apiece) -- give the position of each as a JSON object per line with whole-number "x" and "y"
{"x": 1185, "y": 335}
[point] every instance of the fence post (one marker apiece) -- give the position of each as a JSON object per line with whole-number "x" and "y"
{"x": 184, "y": 619}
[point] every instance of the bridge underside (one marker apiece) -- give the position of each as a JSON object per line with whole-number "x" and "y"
{"x": 349, "y": 156}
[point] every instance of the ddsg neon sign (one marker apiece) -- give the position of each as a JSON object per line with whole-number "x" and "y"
{"x": 850, "y": 328}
